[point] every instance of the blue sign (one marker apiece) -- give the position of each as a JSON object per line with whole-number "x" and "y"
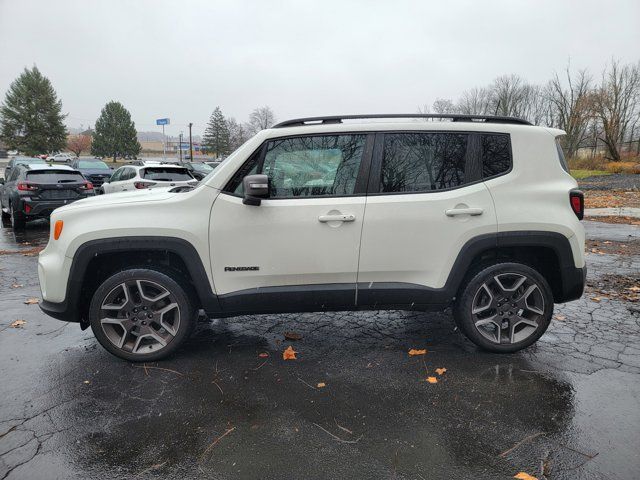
{"x": 162, "y": 121}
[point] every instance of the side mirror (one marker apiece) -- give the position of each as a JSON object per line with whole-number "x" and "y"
{"x": 256, "y": 187}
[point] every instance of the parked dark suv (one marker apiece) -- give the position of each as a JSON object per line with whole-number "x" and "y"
{"x": 21, "y": 160}
{"x": 34, "y": 191}
{"x": 93, "y": 169}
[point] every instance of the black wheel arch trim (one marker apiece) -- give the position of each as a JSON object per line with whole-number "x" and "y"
{"x": 69, "y": 310}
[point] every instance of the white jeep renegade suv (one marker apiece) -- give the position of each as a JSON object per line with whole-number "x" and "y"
{"x": 478, "y": 213}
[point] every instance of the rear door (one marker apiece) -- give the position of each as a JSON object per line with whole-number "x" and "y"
{"x": 426, "y": 200}
{"x": 298, "y": 250}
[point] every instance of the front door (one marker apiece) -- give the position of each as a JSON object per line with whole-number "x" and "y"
{"x": 426, "y": 200}
{"x": 299, "y": 249}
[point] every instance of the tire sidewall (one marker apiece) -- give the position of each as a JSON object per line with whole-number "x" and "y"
{"x": 17, "y": 220}
{"x": 463, "y": 307}
{"x": 187, "y": 321}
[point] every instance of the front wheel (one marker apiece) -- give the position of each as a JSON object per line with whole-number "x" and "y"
{"x": 505, "y": 307}
{"x": 141, "y": 315}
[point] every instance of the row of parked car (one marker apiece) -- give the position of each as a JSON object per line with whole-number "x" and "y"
{"x": 32, "y": 187}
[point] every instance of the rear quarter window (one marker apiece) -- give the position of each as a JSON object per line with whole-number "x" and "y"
{"x": 496, "y": 154}
{"x": 50, "y": 176}
{"x": 561, "y": 157}
{"x": 166, "y": 174}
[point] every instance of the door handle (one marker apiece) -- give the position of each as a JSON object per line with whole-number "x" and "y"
{"x": 452, "y": 212}
{"x": 337, "y": 218}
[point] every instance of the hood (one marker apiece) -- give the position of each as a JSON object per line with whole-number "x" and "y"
{"x": 146, "y": 195}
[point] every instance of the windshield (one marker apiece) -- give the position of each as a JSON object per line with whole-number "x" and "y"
{"x": 166, "y": 174}
{"x": 28, "y": 161}
{"x": 202, "y": 167}
{"x": 97, "y": 164}
{"x": 54, "y": 176}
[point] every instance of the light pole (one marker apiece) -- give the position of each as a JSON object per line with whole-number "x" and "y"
{"x": 190, "y": 143}
{"x": 180, "y": 146}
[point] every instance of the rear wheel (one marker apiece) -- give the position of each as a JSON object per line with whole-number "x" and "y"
{"x": 505, "y": 307}
{"x": 18, "y": 219}
{"x": 141, "y": 315}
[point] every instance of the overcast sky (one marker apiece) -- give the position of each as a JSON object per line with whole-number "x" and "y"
{"x": 182, "y": 58}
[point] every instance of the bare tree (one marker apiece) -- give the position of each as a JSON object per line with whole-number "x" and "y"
{"x": 238, "y": 133}
{"x": 444, "y": 105}
{"x": 261, "y": 118}
{"x": 616, "y": 104}
{"x": 571, "y": 111}
{"x": 78, "y": 144}
{"x": 509, "y": 95}
{"x": 475, "y": 101}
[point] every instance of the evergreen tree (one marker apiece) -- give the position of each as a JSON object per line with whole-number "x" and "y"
{"x": 216, "y": 136}
{"x": 31, "y": 118}
{"x": 115, "y": 133}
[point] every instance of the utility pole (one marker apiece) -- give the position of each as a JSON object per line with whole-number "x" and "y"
{"x": 180, "y": 147}
{"x": 190, "y": 143}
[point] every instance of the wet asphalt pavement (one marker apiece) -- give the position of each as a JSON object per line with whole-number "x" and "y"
{"x": 566, "y": 408}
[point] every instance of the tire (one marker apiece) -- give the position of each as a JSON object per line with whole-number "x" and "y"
{"x": 18, "y": 220}
{"x": 484, "y": 315}
{"x": 133, "y": 327}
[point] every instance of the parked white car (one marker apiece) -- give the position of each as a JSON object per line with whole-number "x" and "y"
{"x": 478, "y": 213}
{"x": 148, "y": 175}
{"x": 61, "y": 158}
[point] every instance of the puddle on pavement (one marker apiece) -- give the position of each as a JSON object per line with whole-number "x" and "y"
{"x": 35, "y": 234}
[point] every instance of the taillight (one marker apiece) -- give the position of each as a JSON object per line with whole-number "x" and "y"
{"x": 143, "y": 184}
{"x": 27, "y": 187}
{"x": 86, "y": 186}
{"x": 576, "y": 199}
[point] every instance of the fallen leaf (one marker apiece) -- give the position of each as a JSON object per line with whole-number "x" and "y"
{"x": 289, "y": 353}
{"x": 321, "y": 385}
{"x": 524, "y": 476}
{"x": 596, "y": 299}
{"x": 414, "y": 352}
{"x": 292, "y": 336}
{"x": 560, "y": 317}
{"x": 635, "y": 288}
{"x": 17, "y": 323}
{"x": 86, "y": 381}
{"x": 263, "y": 355}
{"x": 17, "y": 285}
{"x": 432, "y": 380}
{"x": 440, "y": 371}
{"x": 31, "y": 301}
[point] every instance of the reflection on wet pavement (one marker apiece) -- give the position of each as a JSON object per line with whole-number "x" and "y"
{"x": 568, "y": 407}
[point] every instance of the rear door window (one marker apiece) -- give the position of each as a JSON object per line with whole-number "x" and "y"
{"x": 166, "y": 174}
{"x": 423, "y": 162}
{"x": 49, "y": 176}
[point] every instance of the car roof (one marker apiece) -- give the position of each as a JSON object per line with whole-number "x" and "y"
{"x": 46, "y": 166}
{"x": 158, "y": 165}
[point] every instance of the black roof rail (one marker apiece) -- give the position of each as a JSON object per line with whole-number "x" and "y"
{"x": 454, "y": 117}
